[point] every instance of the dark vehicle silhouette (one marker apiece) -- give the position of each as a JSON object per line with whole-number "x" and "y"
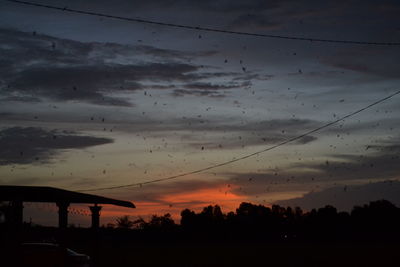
{"x": 50, "y": 255}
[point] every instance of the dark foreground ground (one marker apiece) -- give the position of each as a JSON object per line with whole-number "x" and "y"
{"x": 250, "y": 254}
{"x": 129, "y": 248}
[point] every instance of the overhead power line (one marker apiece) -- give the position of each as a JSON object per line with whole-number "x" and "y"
{"x": 290, "y": 140}
{"x": 199, "y": 28}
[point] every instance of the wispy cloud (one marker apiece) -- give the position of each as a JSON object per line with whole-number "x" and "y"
{"x": 29, "y": 145}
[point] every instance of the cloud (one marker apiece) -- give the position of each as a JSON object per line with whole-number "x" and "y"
{"x": 261, "y": 129}
{"x": 42, "y": 67}
{"x": 381, "y": 161}
{"x": 169, "y": 53}
{"x": 378, "y": 163}
{"x": 211, "y": 132}
{"x": 243, "y": 139}
{"x": 27, "y": 145}
{"x": 20, "y": 98}
{"x": 207, "y": 89}
{"x": 345, "y": 197}
{"x": 208, "y": 93}
{"x": 222, "y": 133}
{"x": 376, "y": 61}
{"x": 93, "y": 83}
{"x": 269, "y": 181}
{"x": 253, "y": 76}
{"x": 210, "y": 86}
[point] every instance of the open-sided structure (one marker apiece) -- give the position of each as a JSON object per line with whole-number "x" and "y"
{"x": 16, "y": 195}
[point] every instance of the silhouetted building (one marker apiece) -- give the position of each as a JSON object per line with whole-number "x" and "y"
{"x": 16, "y": 195}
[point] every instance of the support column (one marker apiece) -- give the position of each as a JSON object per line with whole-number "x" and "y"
{"x": 16, "y": 210}
{"x": 62, "y": 214}
{"x": 95, "y": 216}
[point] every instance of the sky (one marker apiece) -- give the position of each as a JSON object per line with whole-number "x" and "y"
{"x": 89, "y": 102}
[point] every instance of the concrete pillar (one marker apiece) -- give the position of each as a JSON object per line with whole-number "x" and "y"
{"x": 95, "y": 216}
{"x": 62, "y": 214}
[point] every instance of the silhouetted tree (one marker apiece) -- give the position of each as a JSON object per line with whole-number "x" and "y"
{"x": 161, "y": 222}
{"x": 124, "y": 222}
{"x": 140, "y": 223}
{"x": 298, "y": 212}
{"x": 279, "y": 223}
{"x": 376, "y": 216}
{"x": 188, "y": 218}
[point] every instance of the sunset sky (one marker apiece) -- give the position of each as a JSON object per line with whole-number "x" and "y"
{"x": 89, "y": 102}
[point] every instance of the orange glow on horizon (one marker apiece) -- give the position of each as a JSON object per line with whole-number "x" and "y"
{"x": 174, "y": 203}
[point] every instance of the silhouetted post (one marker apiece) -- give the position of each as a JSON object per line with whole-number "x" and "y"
{"x": 62, "y": 214}
{"x": 95, "y": 216}
{"x": 16, "y": 213}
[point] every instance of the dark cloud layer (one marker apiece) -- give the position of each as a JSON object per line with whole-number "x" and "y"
{"x": 208, "y": 93}
{"x": 37, "y": 66}
{"x": 92, "y": 83}
{"x": 345, "y": 197}
{"x": 210, "y": 89}
{"x": 28, "y": 145}
{"x": 214, "y": 132}
{"x": 226, "y": 133}
{"x": 242, "y": 139}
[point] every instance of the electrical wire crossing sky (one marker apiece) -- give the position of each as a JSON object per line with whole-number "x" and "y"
{"x": 252, "y": 154}
{"x": 199, "y": 28}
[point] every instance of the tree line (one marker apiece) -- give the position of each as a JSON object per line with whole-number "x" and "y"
{"x": 378, "y": 219}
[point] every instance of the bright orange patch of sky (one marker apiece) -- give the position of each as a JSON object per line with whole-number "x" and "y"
{"x": 174, "y": 203}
